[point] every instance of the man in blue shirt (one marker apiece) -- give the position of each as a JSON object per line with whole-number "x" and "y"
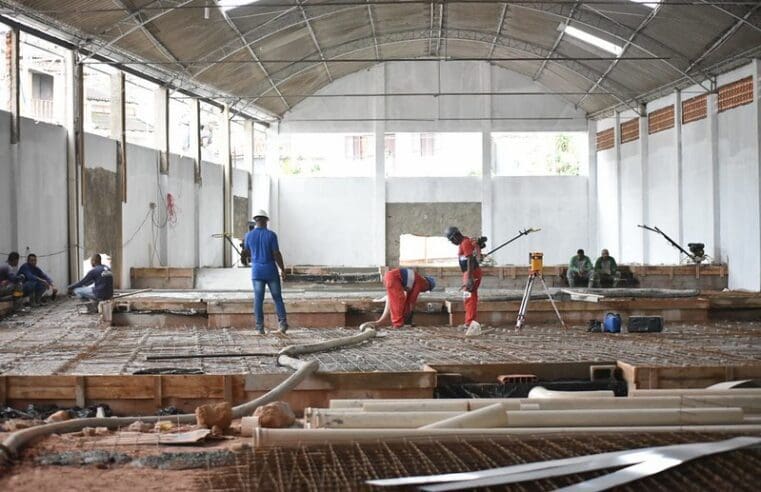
{"x": 36, "y": 281}
{"x": 97, "y": 285}
{"x": 265, "y": 262}
{"x": 8, "y": 278}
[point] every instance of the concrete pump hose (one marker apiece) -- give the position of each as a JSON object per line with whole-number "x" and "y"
{"x": 14, "y": 443}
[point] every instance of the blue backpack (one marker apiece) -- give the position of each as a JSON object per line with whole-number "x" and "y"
{"x": 612, "y": 323}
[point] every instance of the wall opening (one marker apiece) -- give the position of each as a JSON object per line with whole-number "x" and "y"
{"x": 426, "y": 250}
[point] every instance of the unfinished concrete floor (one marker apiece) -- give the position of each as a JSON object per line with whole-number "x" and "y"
{"x": 55, "y": 339}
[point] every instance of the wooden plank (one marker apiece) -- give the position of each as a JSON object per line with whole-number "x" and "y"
{"x": 40, "y": 387}
{"x": 347, "y": 381}
{"x": 3, "y": 391}
{"x": 158, "y": 392}
{"x": 79, "y": 392}
{"x": 227, "y": 382}
{"x": 243, "y": 307}
{"x": 136, "y": 438}
{"x": 193, "y": 386}
{"x": 487, "y": 373}
{"x": 162, "y": 272}
{"x": 132, "y": 387}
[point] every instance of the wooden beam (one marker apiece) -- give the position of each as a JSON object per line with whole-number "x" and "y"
{"x": 161, "y": 127}
{"x": 119, "y": 129}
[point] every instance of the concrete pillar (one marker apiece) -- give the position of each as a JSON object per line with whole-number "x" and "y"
{"x": 195, "y": 153}
{"x": 487, "y": 199}
{"x": 644, "y": 162}
{"x": 757, "y": 177}
{"x": 12, "y": 56}
{"x": 161, "y": 127}
{"x": 75, "y": 158}
{"x": 379, "y": 190}
{"x": 593, "y": 231}
{"x": 119, "y": 129}
{"x": 679, "y": 164}
{"x": 14, "y": 105}
{"x": 713, "y": 138}
{"x": 227, "y": 183}
{"x": 248, "y": 155}
{"x": 619, "y": 186}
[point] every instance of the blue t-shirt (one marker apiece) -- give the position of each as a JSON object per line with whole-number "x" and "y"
{"x": 262, "y": 243}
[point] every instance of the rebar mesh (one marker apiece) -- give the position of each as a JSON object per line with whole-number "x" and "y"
{"x": 348, "y": 466}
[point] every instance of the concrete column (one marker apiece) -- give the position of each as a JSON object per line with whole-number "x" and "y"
{"x": 119, "y": 129}
{"x": 195, "y": 153}
{"x": 227, "y": 183}
{"x": 75, "y": 158}
{"x": 713, "y": 138}
{"x": 487, "y": 199}
{"x": 679, "y": 164}
{"x": 593, "y": 231}
{"x": 379, "y": 190}
{"x": 14, "y": 105}
{"x": 12, "y": 56}
{"x": 757, "y": 133}
{"x": 248, "y": 154}
{"x": 619, "y": 186}
{"x": 161, "y": 127}
{"x": 644, "y": 158}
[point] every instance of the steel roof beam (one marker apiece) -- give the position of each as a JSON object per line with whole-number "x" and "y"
{"x": 498, "y": 32}
{"x": 314, "y": 39}
{"x": 372, "y": 28}
{"x": 557, "y": 41}
{"x": 723, "y": 37}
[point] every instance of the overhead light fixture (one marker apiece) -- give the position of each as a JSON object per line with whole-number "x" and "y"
{"x": 593, "y": 40}
{"x": 651, "y": 4}
{"x": 225, "y": 5}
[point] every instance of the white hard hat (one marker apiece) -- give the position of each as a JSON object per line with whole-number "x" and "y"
{"x": 261, "y": 213}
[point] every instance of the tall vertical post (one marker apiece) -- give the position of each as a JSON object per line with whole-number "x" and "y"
{"x": 12, "y": 58}
{"x": 487, "y": 159}
{"x": 592, "y": 229}
{"x": 619, "y": 185}
{"x": 75, "y": 159}
{"x": 227, "y": 164}
{"x": 248, "y": 156}
{"x": 161, "y": 125}
{"x": 14, "y": 105}
{"x": 195, "y": 153}
{"x": 713, "y": 138}
{"x": 678, "y": 158}
{"x": 119, "y": 129}
{"x": 379, "y": 190}
{"x": 644, "y": 159}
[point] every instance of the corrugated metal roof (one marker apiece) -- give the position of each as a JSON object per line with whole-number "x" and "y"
{"x": 280, "y": 34}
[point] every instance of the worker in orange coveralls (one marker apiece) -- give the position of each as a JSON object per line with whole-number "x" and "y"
{"x": 403, "y": 286}
{"x": 468, "y": 255}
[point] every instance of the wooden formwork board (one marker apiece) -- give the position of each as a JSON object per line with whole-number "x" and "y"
{"x": 162, "y": 278}
{"x": 674, "y": 377}
{"x": 148, "y": 393}
{"x": 505, "y": 312}
{"x": 487, "y": 373}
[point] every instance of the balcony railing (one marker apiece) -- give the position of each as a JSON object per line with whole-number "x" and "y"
{"x": 42, "y": 110}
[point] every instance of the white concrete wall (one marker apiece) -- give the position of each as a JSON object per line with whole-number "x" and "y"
{"x": 181, "y": 233}
{"x": 739, "y": 190}
{"x": 325, "y": 221}
{"x": 42, "y": 219}
{"x": 631, "y": 204}
{"x": 210, "y": 215}
{"x": 523, "y": 202}
{"x": 607, "y": 196}
{"x": 7, "y": 215}
{"x": 428, "y": 190}
{"x": 697, "y": 185}
{"x": 662, "y": 195}
{"x": 434, "y": 114}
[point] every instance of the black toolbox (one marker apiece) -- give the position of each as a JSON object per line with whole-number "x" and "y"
{"x": 644, "y": 324}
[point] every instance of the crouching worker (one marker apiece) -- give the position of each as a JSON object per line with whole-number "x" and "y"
{"x": 403, "y": 286}
{"x": 97, "y": 285}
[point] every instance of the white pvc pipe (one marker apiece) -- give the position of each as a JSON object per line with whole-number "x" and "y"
{"x": 264, "y": 437}
{"x": 492, "y": 416}
{"x": 418, "y": 406}
{"x": 629, "y": 417}
{"x": 542, "y": 392}
{"x": 329, "y": 419}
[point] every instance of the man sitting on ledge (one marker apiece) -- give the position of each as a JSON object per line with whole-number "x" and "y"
{"x": 606, "y": 271}
{"x": 579, "y": 270}
{"x": 97, "y": 285}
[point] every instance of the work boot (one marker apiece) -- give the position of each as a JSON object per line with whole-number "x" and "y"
{"x": 260, "y": 329}
{"x": 283, "y": 326}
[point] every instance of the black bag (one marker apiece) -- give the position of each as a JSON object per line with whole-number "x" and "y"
{"x": 644, "y": 324}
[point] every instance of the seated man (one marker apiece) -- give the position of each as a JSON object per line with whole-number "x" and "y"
{"x": 580, "y": 270}
{"x": 606, "y": 271}
{"x": 403, "y": 285}
{"x": 8, "y": 277}
{"x": 97, "y": 285}
{"x": 36, "y": 282}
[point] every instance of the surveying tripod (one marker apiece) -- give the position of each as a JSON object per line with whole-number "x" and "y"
{"x": 534, "y": 272}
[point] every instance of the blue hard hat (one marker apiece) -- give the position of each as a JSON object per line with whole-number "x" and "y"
{"x": 431, "y": 282}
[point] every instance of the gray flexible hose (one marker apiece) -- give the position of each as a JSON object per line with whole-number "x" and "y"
{"x": 13, "y": 444}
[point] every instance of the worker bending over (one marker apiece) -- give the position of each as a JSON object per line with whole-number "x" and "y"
{"x": 403, "y": 286}
{"x": 469, "y": 257}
